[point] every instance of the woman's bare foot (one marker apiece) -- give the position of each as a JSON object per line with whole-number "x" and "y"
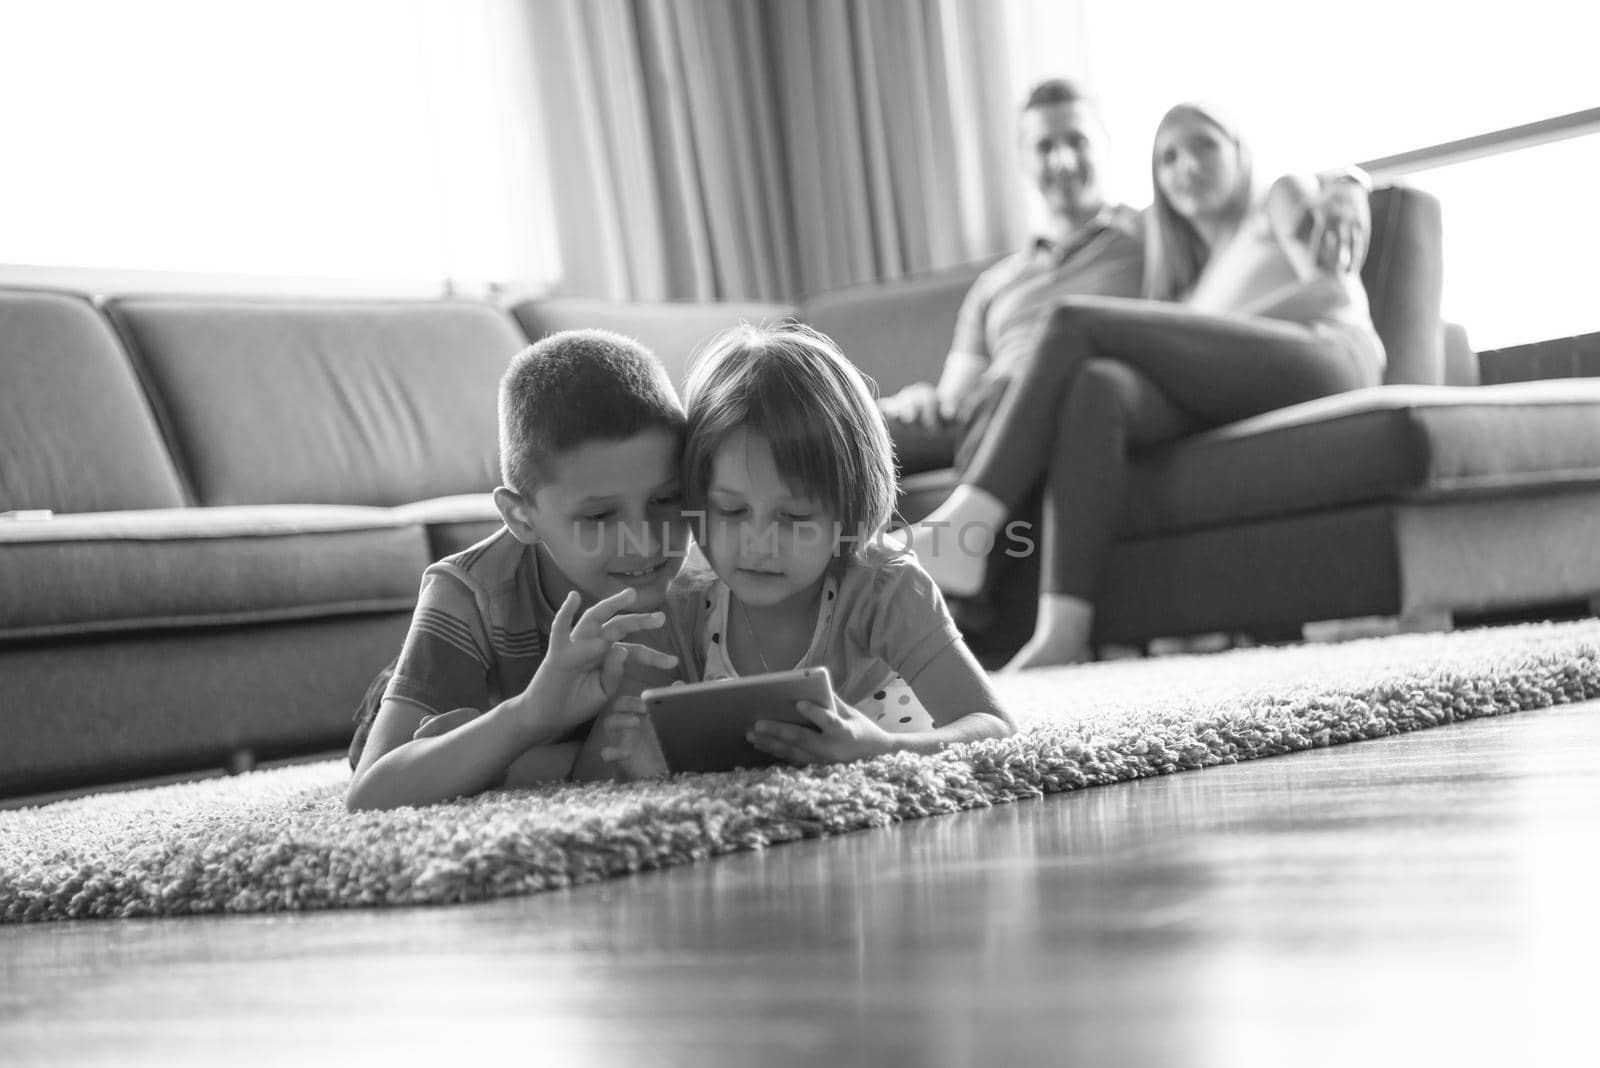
{"x": 1060, "y": 634}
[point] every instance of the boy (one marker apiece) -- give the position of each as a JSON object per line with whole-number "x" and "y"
{"x": 500, "y": 675}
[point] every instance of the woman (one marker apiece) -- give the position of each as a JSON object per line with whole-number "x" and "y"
{"x": 1270, "y": 312}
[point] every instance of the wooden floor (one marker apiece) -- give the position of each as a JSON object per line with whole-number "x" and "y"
{"x": 1423, "y": 900}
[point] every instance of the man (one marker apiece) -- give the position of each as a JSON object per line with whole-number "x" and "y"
{"x": 1088, "y": 247}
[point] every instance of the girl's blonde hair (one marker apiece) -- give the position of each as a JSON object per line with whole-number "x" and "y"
{"x": 1174, "y": 254}
{"x": 793, "y": 385}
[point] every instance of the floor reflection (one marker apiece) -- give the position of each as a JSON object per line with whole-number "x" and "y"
{"x": 1428, "y": 893}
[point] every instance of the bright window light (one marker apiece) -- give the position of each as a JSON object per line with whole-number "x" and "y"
{"x": 1519, "y": 230}
{"x": 1315, "y": 87}
{"x": 293, "y": 138}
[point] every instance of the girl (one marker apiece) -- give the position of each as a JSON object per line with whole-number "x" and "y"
{"x": 1272, "y": 314}
{"x": 788, "y": 462}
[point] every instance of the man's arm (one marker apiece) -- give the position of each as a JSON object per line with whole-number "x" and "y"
{"x": 964, "y": 365}
{"x": 963, "y": 373}
{"x": 930, "y": 404}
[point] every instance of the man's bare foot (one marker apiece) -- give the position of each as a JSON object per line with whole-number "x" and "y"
{"x": 953, "y": 543}
{"x": 954, "y": 570}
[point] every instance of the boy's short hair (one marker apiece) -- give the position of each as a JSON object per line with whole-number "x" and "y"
{"x": 815, "y": 407}
{"x": 574, "y": 387}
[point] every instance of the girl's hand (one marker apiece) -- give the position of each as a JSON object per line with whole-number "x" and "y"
{"x": 842, "y": 734}
{"x": 583, "y": 665}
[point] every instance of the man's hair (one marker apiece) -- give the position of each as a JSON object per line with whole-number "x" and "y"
{"x": 793, "y": 385}
{"x": 1055, "y": 91}
{"x": 574, "y": 387}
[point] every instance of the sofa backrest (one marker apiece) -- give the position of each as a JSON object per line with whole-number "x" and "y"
{"x": 673, "y": 330}
{"x": 1404, "y": 278}
{"x": 76, "y": 433}
{"x": 323, "y": 402}
{"x": 897, "y": 331}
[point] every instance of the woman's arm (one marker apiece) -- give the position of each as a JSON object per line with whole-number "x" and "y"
{"x": 1323, "y": 223}
{"x": 1300, "y": 301}
{"x": 1320, "y": 225}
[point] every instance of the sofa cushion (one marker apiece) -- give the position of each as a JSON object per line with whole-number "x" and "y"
{"x": 76, "y": 433}
{"x": 1393, "y": 442}
{"x": 325, "y": 402}
{"x": 673, "y": 330}
{"x": 183, "y": 567}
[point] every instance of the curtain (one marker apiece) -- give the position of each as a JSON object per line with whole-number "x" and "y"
{"x": 767, "y": 149}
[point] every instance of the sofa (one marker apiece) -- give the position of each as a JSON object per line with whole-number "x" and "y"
{"x": 1420, "y": 501}
{"x": 216, "y": 510}
{"x": 244, "y": 495}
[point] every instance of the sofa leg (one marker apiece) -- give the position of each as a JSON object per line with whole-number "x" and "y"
{"x": 1425, "y": 623}
{"x": 241, "y": 760}
{"x": 1342, "y": 630}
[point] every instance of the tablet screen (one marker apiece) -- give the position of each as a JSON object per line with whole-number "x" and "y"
{"x": 702, "y": 726}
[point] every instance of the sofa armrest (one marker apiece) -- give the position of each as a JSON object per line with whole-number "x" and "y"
{"x": 1404, "y": 279}
{"x": 1564, "y": 357}
{"x": 1460, "y": 362}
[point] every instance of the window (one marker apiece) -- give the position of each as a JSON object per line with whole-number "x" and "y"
{"x": 1519, "y": 230}
{"x": 357, "y": 142}
{"x": 1335, "y": 84}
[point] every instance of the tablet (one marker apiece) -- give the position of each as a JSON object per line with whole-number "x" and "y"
{"x": 702, "y": 726}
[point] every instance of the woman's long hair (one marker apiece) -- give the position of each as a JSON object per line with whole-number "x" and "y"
{"x": 1174, "y": 254}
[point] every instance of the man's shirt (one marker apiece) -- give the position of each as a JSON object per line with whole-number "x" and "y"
{"x": 1007, "y": 305}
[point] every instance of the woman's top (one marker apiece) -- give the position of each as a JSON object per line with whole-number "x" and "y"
{"x": 1268, "y": 269}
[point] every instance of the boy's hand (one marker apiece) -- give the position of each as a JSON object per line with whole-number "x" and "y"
{"x": 583, "y": 666}
{"x": 444, "y": 722}
{"x": 842, "y": 734}
{"x": 630, "y": 745}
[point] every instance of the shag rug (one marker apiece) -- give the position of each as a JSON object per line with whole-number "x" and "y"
{"x": 281, "y": 839}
